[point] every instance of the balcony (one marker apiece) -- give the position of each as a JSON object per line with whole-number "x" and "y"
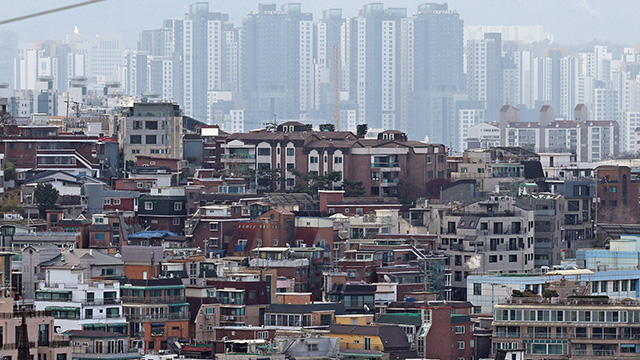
{"x": 385, "y": 164}
{"x": 609, "y": 353}
{"x": 154, "y": 300}
{"x": 238, "y": 158}
{"x": 151, "y": 317}
{"x": 98, "y": 302}
{"x": 88, "y": 353}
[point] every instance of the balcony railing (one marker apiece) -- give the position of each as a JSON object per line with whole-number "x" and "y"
{"x": 593, "y": 352}
{"x": 154, "y": 300}
{"x": 149, "y": 317}
{"x": 98, "y": 302}
{"x": 238, "y": 157}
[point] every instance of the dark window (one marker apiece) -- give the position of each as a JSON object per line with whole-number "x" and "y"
{"x": 43, "y": 335}
{"x": 135, "y": 139}
{"x": 151, "y": 125}
{"x": 513, "y": 258}
{"x": 150, "y": 139}
{"x": 264, "y": 151}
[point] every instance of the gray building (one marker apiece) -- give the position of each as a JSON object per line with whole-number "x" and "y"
{"x": 437, "y": 72}
{"x": 275, "y": 54}
{"x": 549, "y": 210}
{"x": 493, "y": 235}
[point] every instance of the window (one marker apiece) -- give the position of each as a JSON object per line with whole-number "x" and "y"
{"x": 460, "y": 344}
{"x": 135, "y": 139}
{"x": 177, "y": 206}
{"x": 291, "y": 151}
{"x": 213, "y": 226}
{"x": 151, "y": 139}
{"x": 112, "y": 313}
{"x": 176, "y": 221}
{"x": 477, "y": 289}
{"x": 137, "y": 125}
{"x": 513, "y": 258}
{"x": 116, "y": 201}
{"x": 148, "y": 205}
{"x": 151, "y": 125}
{"x": 43, "y": 335}
{"x": 264, "y": 151}
{"x": 375, "y": 176}
{"x": 106, "y": 201}
{"x": 613, "y": 189}
{"x": 99, "y": 237}
{"x": 459, "y": 329}
{"x": 337, "y": 160}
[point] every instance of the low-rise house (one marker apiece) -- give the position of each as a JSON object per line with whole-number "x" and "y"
{"x": 156, "y": 310}
{"x": 98, "y": 345}
{"x": 297, "y": 309}
{"x": 367, "y": 341}
{"x": 357, "y": 298}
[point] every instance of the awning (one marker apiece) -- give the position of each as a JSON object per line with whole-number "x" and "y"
{"x": 93, "y": 326}
{"x": 116, "y": 324}
{"x": 180, "y": 304}
{"x": 131, "y": 287}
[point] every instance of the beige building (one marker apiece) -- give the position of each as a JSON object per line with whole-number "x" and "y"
{"x": 573, "y": 325}
{"x": 152, "y": 129}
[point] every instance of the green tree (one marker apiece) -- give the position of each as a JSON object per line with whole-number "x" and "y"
{"x": 9, "y": 171}
{"x": 45, "y": 196}
{"x": 362, "y": 129}
{"x": 327, "y": 127}
{"x": 353, "y": 188}
{"x": 312, "y": 182}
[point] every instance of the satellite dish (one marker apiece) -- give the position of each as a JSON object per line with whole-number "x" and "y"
{"x": 366, "y": 308}
{"x": 387, "y": 278}
{"x": 426, "y": 139}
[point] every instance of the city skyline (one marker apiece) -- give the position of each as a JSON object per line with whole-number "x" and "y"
{"x": 572, "y": 22}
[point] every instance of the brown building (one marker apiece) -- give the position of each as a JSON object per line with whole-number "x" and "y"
{"x": 618, "y": 193}
{"x": 448, "y": 336}
{"x": 387, "y": 166}
{"x": 272, "y": 229}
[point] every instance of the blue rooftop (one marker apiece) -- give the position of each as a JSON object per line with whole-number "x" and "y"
{"x": 151, "y": 234}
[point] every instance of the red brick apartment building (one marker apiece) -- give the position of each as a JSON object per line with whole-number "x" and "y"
{"x": 381, "y": 164}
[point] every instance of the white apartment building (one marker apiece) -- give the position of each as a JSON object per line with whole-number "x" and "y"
{"x": 77, "y": 304}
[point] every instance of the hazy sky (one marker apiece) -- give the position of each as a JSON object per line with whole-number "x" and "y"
{"x": 571, "y": 21}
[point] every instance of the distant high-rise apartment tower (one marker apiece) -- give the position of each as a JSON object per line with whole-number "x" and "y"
{"x": 276, "y": 54}
{"x": 203, "y": 54}
{"x": 437, "y": 72}
{"x": 373, "y": 70}
{"x": 485, "y": 73}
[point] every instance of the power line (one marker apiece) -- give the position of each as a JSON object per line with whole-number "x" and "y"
{"x": 46, "y": 12}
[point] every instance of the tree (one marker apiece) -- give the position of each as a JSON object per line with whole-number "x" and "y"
{"x": 9, "y": 171}
{"x": 45, "y": 196}
{"x": 327, "y": 127}
{"x": 353, "y": 188}
{"x": 362, "y": 129}
{"x": 312, "y": 182}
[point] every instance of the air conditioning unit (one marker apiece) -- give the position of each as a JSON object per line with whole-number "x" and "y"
{"x": 232, "y": 318}
{"x": 226, "y": 318}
